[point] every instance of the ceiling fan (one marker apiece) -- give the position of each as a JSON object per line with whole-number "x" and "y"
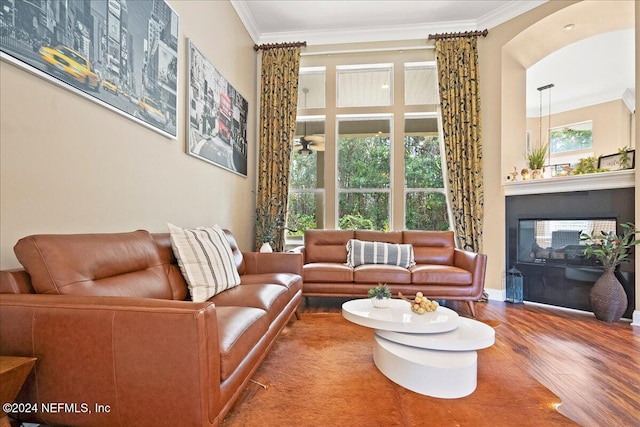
{"x": 308, "y": 143}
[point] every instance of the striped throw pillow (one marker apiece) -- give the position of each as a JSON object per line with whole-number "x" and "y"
{"x": 205, "y": 259}
{"x": 361, "y": 252}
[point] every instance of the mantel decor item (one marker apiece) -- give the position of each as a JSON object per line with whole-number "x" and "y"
{"x": 623, "y": 159}
{"x": 122, "y": 56}
{"x": 380, "y": 295}
{"x": 608, "y": 298}
{"x": 217, "y": 116}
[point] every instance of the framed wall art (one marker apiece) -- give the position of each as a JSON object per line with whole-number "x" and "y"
{"x": 121, "y": 54}
{"x": 618, "y": 161}
{"x": 217, "y": 130}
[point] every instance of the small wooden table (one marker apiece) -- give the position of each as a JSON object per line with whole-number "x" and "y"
{"x": 13, "y": 373}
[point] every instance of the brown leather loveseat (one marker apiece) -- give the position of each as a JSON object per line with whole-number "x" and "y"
{"x": 116, "y": 339}
{"x": 441, "y": 271}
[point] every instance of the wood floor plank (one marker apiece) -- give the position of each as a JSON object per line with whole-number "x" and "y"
{"x": 592, "y": 366}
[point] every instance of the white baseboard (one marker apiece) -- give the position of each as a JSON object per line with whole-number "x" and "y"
{"x": 636, "y": 318}
{"x": 496, "y": 294}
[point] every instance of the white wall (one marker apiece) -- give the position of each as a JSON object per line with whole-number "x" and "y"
{"x": 69, "y": 165}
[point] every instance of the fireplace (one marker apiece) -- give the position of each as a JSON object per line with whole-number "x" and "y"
{"x": 543, "y": 242}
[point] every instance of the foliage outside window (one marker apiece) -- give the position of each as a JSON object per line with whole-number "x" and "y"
{"x": 572, "y": 137}
{"x": 364, "y": 174}
{"x": 425, "y": 201}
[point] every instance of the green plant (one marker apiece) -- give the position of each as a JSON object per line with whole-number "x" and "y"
{"x": 609, "y": 248}
{"x": 269, "y": 220}
{"x": 538, "y": 156}
{"x": 380, "y": 291}
{"x": 625, "y": 159}
{"x": 587, "y": 165}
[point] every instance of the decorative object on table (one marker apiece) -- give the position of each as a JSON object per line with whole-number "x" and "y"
{"x": 420, "y": 304}
{"x": 525, "y": 174}
{"x": 623, "y": 159}
{"x": 608, "y": 298}
{"x": 380, "y": 295}
{"x": 514, "y": 286}
{"x": 269, "y": 222}
{"x": 88, "y": 47}
{"x": 217, "y": 116}
{"x": 513, "y": 176}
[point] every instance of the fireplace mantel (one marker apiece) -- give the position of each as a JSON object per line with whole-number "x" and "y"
{"x": 560, "y": 184}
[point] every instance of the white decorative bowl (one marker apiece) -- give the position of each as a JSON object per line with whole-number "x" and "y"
{"x": 380, "y": 302}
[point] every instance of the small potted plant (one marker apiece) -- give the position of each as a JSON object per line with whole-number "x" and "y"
{"x": 380, "y": 295}
{"x": 269, "y": 222}
{"x": 536, "y": 159}
{"x": 608, "y": 298}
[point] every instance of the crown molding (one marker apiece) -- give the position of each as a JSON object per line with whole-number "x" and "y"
{"x": 381, "y": 33}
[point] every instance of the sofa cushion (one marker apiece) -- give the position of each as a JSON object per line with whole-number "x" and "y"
{"x": 109, "y": 264}
{"x": 239, "y": 331}
{"x": 440, "y": 274}
{"x": 327, "y": 272}
{"x": 431, "y": 247}
{"x": 376, "y": 273}
{"x": 326, "y": 245}
{"x": 360, "y": 252}
{"x": 269, "y": 297}
{"x": 206, "y": 260}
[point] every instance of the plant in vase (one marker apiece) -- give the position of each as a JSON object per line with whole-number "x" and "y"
{"x": 608, "y": 298}
{"x": 537, "y": 158}
{"x": 380, "y": 295}
{"x": 269, "y": 222}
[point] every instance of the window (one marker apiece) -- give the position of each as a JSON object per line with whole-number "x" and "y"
{"x": 425, "y": 201}
{"x": 364, "y": 173}
{"x": 574, "y": 137}
{"x": 375, "y": 157}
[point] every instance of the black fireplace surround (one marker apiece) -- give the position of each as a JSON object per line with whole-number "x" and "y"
{"x": 543, "y": 243}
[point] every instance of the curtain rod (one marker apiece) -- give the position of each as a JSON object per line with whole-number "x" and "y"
{"x": 276, "y": 45}
{"x": 482, "y": 33}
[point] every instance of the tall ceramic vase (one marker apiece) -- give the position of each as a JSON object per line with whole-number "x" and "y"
{"x": 608, "y": 298}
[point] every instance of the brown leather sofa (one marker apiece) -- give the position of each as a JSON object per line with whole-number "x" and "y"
{"x": 442, "y": 272}
{"x": 118, "y": 343}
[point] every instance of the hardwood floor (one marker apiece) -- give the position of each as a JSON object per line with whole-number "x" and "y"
{"x": 592, "y": 366}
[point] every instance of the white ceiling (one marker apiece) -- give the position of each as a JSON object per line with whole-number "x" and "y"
{"x": 594, "y": 70}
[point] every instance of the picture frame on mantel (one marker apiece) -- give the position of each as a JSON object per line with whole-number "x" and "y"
{"x": 123, "y": 56}
{"x": 613, "y": 162}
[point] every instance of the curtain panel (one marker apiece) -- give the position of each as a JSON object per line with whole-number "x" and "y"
{"x": 457, "y": 61}
{"x": 278, "y": 104}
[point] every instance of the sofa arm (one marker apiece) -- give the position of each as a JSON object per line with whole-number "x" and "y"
{"x": 115, "y": 360}
{"x": 275, "y": 262}
{"x": 476, "y": 264}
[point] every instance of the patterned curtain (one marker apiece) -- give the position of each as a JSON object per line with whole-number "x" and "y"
{"x": 457, "y": 60}
{"x": 278, "y": 103}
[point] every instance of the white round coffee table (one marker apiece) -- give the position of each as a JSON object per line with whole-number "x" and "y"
{"x": 432, "y": 354}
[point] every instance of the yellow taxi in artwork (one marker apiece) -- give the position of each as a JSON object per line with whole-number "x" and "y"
{"x": 66, "y": 62}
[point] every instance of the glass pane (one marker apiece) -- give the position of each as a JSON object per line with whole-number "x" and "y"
{"x": 571, "y": 138}
{"x": 304, "y": 212}
{"x": 421, "y": 85}
{"x": 426, "y": 211}
{"x": 364, "y": 154}
{"x": 363, "y": 211}
{"x": 307, "y": 160}
{"x": 311, "y": 86}
{"x": 364, "y": 87}
{"x": 423, "y": 168}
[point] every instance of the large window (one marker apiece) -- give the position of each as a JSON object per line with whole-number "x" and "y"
{"x": 371, "y": 125}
